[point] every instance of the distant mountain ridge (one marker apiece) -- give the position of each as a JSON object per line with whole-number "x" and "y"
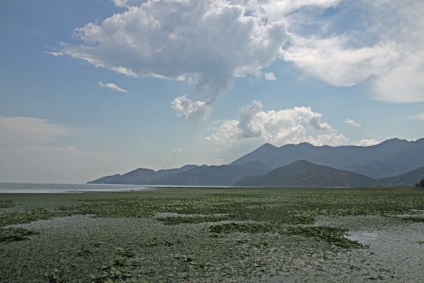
{"x": 391, "y": 163}
{"x": 389, "y": 158}
{"x": 306, "y": 174}
{"x": 406, "y": 179}
{"x": 204, "y": 175}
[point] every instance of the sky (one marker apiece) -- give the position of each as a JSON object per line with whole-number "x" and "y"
{"x": 95, "y": 88}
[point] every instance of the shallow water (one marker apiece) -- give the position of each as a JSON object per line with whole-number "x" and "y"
{"x": 394, "y": 250}
{"x": 27, "y": 188}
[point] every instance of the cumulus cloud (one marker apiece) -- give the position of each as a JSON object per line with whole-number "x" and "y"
{"x": 113, "y": 87}
{"x": 194, "y": 111}
{"x": 352, "y": 123}
{"x": 332, "y": 60}
{"x": 55, "y": 53}
{"x": 24, "y": 131}
{"x": 384, "y": 51}
{"x": 120, "y": 3}
{"x": 270, "y": 76}
{"x": 278, "y": 127}
{"x": 210, "y": 43}
{"x": 367, "y": 142}
{"x": 206, "y": 43}
{"x": 127, "y": 3}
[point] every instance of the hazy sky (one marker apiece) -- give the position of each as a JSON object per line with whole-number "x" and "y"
{"x": 92, "y": 88}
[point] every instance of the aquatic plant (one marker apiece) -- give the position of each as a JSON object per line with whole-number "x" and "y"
{"x": 217, "y": 234}
{"x": 334, "y": 236}
{"x": 6, "y": 203}
{"x": 15, "y": 234}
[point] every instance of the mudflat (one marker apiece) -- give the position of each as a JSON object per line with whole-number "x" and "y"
{"x": 214, "y": 235}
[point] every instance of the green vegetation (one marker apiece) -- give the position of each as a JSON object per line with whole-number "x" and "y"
{"x": 182, "y": 234}
{"x": 15, "y": 234}
{"x": 6, "y": 203}
{"x": 242, "y": 227}
{"x": 175, "y": 220}
{"x": 334, "y": 236}
{"x": 420, "y": 183}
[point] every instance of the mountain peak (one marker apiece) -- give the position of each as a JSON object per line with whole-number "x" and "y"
{"x": 267, "y": 146}
{"x": 303, "y": 173}
{"x": 390, "y": 158}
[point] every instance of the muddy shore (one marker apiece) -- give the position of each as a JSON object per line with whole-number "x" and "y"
{"x": 218, "y": 236}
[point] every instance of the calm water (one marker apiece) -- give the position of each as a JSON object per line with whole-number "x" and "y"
{"x": 65, "y": 188}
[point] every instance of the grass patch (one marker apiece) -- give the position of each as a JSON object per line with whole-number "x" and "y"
{"x": 267, "y": 220}
{"x": 6, "y": 203}
{"x": 413, "y": 219}
{"x": 334, "y": 236}
{"x": 175, "y": 220}
{"x": 241, "y": 227}
{"x": 15, "y": 234}
{"x": 31, "y": 215}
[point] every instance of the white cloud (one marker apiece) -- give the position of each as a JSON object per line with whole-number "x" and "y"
{"x": 206, "y": 43}
{"x": 352, "y": 123}
{"x": 211, "y": 43}
{"x": 332, "y": 60}
{"x": 278, "y": 127}
{"x": 23, "y": 131}
{"x": 120, "y": 3}
{"x": 401, "y": 82}
{"x": 332, "y": 139}
{"x": 274, "y": 10}
{"x": 194, "y": 111}
{"x": 383, "y": 48}
{"x": 113, "y": 87}
{"x": 270, "y": 76}
{"x": 128, "y": 3}
{"x": 367, "y": 142}
{"x": 55, "y": 53}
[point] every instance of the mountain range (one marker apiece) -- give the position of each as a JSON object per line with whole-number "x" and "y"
{"x": 394, "y": 162}
{"x": 306, "y": 174}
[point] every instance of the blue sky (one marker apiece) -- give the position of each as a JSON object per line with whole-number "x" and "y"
{"x": 92, "y": 88}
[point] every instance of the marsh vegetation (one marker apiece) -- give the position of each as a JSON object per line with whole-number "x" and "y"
{"x": 209, "y": 235}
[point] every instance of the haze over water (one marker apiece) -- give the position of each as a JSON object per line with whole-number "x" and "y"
{"x": 27, "y": 188}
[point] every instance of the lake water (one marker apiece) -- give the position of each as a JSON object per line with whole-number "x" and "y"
{"x": 27, "y": 188}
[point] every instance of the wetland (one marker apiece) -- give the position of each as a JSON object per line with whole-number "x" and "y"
{"x": 214, "y": 235}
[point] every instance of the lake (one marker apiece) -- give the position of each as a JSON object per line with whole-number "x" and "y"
{"x": 27, "y": 188}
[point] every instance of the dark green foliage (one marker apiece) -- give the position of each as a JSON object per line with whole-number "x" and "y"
{"x": 6, "y": 203}
{"x": 405, "y": 179}
{"x": 420, "y": 183}
{"x": 175, "y": 220}
{"x": 241, "y": 227}
{"x": 19, "y": 217}
{"x": 54, "y": 276}
{"x": 413, "y": 219}
{"x": 333, "y": 236}
{"x": 120, "y": 270}
{"x": 15, "y": 234}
